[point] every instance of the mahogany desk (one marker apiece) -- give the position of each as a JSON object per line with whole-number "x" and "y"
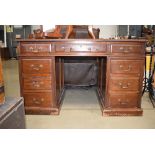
{"x": 120, "y": 73}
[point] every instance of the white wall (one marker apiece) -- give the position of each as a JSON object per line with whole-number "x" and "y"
{"x": 107, "y": 31}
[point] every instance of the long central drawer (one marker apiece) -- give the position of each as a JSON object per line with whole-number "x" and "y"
{"x": 97, "y": 47}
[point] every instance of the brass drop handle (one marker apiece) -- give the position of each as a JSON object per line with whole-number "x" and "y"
{"x": 40, "y": 48}
{"x": 126, "y": 70}
{"x": 37, "y": 84}
{"x": 126, "y": 49}
{"x": 121, "y": 48}
{"x": 37, "y": 68}
{"x": 123, "y": 86}
{"x": 35, "y": 101}
{"x": 35, "y": 51}
{"x": 31, "y": 48}
{"x": 130, "y": 48}
{"x": 65, "y": 49}
{"x": 122, "y": 103}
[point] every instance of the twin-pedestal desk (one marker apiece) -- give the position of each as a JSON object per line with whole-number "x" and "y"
{"x": 120, "y": 73}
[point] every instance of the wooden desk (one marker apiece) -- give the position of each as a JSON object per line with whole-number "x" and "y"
{"x": 120, "y": 73}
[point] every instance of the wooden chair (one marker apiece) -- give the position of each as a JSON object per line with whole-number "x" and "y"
{"x": 38, "y": 34}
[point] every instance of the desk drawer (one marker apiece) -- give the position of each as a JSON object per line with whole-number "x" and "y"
{"x": 127, "y": 49}
{"x": 62, "y": 47}
{"x": 124, "y": 83}
{"x": 125, "y": 100}
{"x": 126, "y": 66}
{"x": 80, "y": 48}
{"x": 35, "y": 49}
{"x": 37, "y": 83}
{"x": 34, "y": 66}
{"x": 38, "y": 99}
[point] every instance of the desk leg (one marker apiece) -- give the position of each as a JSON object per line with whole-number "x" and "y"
{"x": 59, "y": 81}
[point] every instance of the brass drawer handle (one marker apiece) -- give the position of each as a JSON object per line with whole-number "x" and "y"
{"x": 37, "y": 68}
{"x": 65, "y": 49}
{"x": 126, "y": 51}
{"x": 37, "y": 84}
{"x": 122, "y": 103}
{"x": 39, "y": 49}
{"x": 123, "y": 86}
{"x": 33, "y": 50}
{"x": 126, "y": 70}
{"x": 35, "y": 101}
{"x": 130, "y": 48}
{"x": 121, "y": 48}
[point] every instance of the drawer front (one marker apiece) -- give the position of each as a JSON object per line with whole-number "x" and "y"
{"x": 36, "y": 83}
{"x": 125, "y": 100}
{"x": 124, "y": 83}
{"x": 62, "y": 48}
{"x": 35, "y": 49}
{"x": 126, "y": 66}
{"x": 34, "y": 66}
{"x": 80, "y": 48}
{"x": 127, "y": 49}
{"x": 38, "y": 99}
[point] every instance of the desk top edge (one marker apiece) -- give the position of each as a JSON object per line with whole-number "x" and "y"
{"x": 81, "y": 40}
